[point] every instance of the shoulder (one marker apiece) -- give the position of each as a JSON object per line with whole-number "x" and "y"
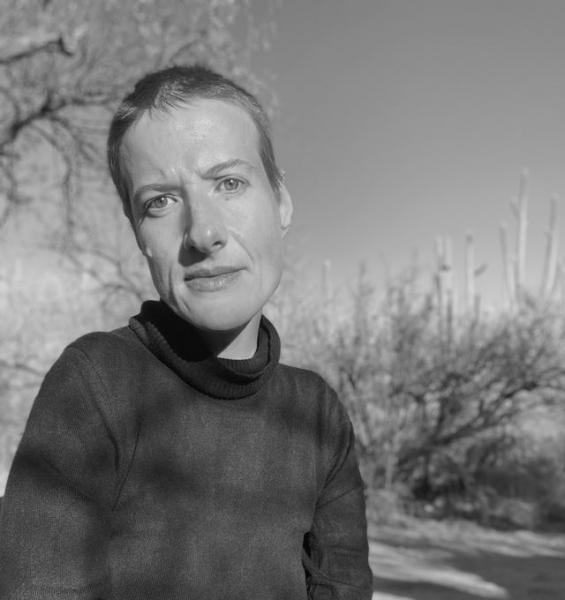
{"x": 93, "y": 387}
{"x": 84, "y": 364}
{"x": 304, "y": 376}
{"x": 311, "y": 390}
{"x": 115, "y": 363}
{"x": 99, "y": 369}
{"x": 323, "y": 414}
{"x": 104, "y": 345}
{"x": 80, "y": 421}
{"x": 106, "y": 353}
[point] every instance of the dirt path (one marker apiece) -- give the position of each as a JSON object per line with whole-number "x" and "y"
{"x": 434, "y": 561}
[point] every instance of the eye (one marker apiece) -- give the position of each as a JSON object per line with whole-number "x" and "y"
{"x": 157, "y": 204}
{"x": 231, "y": 185}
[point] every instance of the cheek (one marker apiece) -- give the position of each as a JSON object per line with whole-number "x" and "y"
{"x": 160, "y": 261}
{"x": 272, "y": 238}
{"x": 263, "y": 229}
{"x": 151, "y": 244}
{"x": 270, "y": 248}
{"x": 151, "y": 250}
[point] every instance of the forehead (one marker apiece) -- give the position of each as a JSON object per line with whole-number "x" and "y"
{"x": 201, "y": 126}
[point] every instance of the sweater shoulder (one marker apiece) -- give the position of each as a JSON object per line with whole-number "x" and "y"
{"x": 307, "y": 378}
{"x": 112, "y": 366}
{"x": 119, "y": 360}
{"x": 314, "y": 390}
{"x": 112, "y": 354}
{"x": 102, "y": 345}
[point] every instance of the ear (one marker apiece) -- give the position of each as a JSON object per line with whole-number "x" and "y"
{"x": 285, "y": 209}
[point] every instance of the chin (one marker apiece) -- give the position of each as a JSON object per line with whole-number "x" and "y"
{"x": 212, "y": 318}
{"x": 226, "y": 310}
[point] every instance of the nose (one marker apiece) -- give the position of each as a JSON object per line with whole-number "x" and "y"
{"x": 205, "y": 230}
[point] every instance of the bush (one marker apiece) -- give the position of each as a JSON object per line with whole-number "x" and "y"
{"x": 437, "y": 400}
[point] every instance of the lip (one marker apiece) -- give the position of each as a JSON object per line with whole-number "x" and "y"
{"x": 211, "y": 279}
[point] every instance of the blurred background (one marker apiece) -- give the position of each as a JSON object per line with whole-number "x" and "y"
{"x": 423, "y": 145}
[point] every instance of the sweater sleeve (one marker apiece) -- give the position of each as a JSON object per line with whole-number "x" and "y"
{"x": 336, "y": 548}
{"x": 54, "y": 523}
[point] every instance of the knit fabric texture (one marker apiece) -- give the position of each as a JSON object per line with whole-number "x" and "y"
{"x": 151, "y": 470}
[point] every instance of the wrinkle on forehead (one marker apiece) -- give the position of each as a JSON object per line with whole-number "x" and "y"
{"x": 200, "y": 129}
{"x": 204, "y": 125}
{"x": 194, "y": 138}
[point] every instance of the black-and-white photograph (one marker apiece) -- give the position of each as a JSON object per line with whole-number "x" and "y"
{"x": 282, "y": 300}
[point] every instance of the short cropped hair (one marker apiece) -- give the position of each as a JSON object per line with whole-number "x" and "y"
{"x": 171, "y": 88}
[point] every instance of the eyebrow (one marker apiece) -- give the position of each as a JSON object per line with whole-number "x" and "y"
{"x": 214, "y": 171}
{"x": 152, "y": 187}
{"x": 210, "y": 173}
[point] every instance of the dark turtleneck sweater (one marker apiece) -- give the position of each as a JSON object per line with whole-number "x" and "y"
{"x": 149, "y": 469}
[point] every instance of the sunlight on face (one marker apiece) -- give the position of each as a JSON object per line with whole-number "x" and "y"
{"x": 204, "y": 213}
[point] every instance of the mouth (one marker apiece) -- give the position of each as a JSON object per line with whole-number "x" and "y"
{"x": 213, "y": 279}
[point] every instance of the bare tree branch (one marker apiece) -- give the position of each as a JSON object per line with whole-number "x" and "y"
{"x": 21, "y": 366}
{"x": 28, "y": 46}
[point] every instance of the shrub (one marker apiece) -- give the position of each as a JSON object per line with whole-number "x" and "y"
{"x": 437, "y": 404}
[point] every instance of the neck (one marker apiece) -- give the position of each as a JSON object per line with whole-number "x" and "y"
{"x": 238, "y": 344}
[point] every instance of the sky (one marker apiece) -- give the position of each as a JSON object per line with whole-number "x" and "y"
{"x": 398, "y": 121}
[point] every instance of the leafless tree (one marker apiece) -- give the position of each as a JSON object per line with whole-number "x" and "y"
{"x": 63, "y": 68}
{"x": 435, "y": 413}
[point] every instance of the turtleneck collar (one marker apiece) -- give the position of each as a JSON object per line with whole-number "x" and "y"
{"x": 178, "y": 344}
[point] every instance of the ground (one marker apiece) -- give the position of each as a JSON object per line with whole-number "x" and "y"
{"x": 460, "y": 561}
